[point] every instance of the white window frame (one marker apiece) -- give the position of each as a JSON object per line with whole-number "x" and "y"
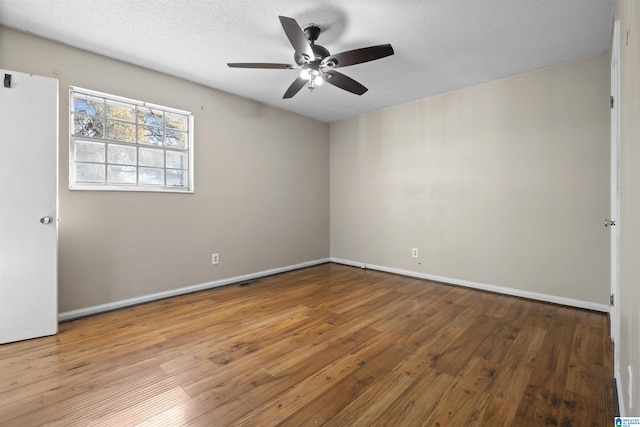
{"x": 111, "y": 186}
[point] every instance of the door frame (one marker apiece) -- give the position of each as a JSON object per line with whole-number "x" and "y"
{"x": 614, "y": 313}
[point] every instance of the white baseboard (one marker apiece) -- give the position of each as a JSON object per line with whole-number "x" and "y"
{"x": 83, "y": 312}
{"x": 88, "y": 311}
{"x": 485, "y": 287}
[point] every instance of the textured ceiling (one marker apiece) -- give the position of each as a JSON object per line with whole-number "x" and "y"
{"x": 440, "y": 45}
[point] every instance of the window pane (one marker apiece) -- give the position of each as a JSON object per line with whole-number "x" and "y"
{"x": 120, "y": 131}
{"x": 176, "y": 121}
{"x": 87, "y": 104}
{"x": 151, "y": 157}
{"x": 89, "y": 172}
{"x": 121, "y": 154}
{"x": 176, "y": 139}
{"x": 121, "y": 111}
{"x": 89, "y": 151}
{"x": 176, "y": 160}
{"x": 149, "y": 116}
{"x": 88, "y": 126}
{"x": 120, "y": 144}
{"x": 150, "y": 135}
{"x": 175, "y": 178}
{"x": 121, "y": 174}
{"x": 150, "y": 176}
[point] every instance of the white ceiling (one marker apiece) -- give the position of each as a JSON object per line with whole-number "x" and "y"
{"x": 440, "y": 45}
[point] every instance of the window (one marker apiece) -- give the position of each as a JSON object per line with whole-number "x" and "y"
{"x": 124, "y": 144}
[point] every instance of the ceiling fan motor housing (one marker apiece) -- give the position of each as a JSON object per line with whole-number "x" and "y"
{"x": 312, "y": 33}
{"x": 320, "y": 52}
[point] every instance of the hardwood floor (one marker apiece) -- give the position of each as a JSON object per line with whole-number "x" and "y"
{"x": 327, "y": 345}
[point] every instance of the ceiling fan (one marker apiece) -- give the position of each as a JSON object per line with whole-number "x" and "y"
{"x": 315, "y": 62}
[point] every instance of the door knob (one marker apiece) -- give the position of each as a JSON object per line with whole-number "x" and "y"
{"x": 46, "y": 219}
{"x": 608, "y": 222}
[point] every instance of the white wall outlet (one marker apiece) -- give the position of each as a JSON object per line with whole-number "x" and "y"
{"x": 215, "y": 259}
{"x": 414, "y": 252}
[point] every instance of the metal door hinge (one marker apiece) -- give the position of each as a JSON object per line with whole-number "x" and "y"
{"x": 611, "y": 300}
{"x": 611, "y": 101}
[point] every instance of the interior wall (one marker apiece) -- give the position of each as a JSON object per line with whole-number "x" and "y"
{"x": 628, "y": 12}
{"x": 261, "y": 192}
{"x": 502, "y": 184}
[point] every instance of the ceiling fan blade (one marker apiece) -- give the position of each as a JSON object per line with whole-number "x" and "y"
{"x": 343, "y": 82}
{"x": 295, "y": 87}
{"x": 358, "y": 56}
{"x": 260, "y": 65}
{"x": 296, "y": 37}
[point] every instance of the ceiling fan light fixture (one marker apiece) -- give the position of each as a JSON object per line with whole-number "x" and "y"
{"x": 305, "y": 74}
{"x": 315, "y": 80}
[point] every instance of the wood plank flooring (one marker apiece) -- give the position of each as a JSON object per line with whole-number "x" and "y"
{"x": 327, "y": 345}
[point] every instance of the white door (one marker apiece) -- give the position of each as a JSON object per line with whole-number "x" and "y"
{"x": 614, "y": 314}
{"x": 28, "y": 206}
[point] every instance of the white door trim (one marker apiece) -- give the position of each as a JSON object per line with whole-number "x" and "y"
{"x": 614, "y": 313}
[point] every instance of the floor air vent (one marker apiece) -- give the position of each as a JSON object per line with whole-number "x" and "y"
{"x": 249, "y": 283}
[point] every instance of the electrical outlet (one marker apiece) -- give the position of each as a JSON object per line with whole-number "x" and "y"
{"x": 215, "y": 259}
{"x": 414, "y": 252}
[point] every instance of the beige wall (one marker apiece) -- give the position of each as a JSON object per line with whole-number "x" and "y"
{"x": 261, "y": 199}
{"x": 504, "y": 184}
{"x": 628, "y": 12}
